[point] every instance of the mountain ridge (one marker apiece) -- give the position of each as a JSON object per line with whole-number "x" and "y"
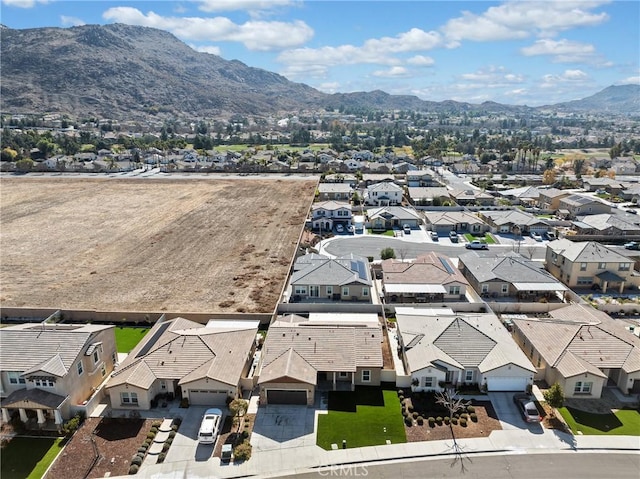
{"x": 123, "y": 71}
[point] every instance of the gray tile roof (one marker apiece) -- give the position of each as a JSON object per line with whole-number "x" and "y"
{"x": 397, "y": 212}
{"x": 452, "y": 218}
{"x": 331, "y": 205}
{"x": 50, "y": 348}
{"x": 586, "y": 252}
{"x": 326, "y": 347}
{"x": 578, "y": 200}
{"x": 604, "y": 221}
{"x": 321, "y": 270}
{"x": 509, "y": 268}
{"x": 462, "y": 341}
{"x": 35, "y": 397}
{"x": 187, "y": 351}
{"x": 552, "y": 192}
{"x": 516, "y": 217}
{"x": 335, "y": 188}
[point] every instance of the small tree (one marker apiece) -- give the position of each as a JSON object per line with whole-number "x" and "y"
{"x": 238, "y": 407}
{"x": 554, "y": 396}
{"x": 387, "y": 253}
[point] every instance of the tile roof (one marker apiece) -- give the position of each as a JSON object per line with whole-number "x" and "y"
{"x": 52, "y": 348}
{"x": 186, "y": 351}
{"x": 34, "y": 396}
{"x": 321, "y": 270}
{"x": 325, "y": 347}
{"x": 579, "y": 200}
{"x": 510, "y": 268}
{"x": 398, "y": 212}
{"x": 384, "y": 186}
{"x": 516, "y": 217}
{"x": 452, "y": 218}
{"x": 553, "y": 192}
{"x": 289, "y": 365}
{"x": 464, "y": 341}
{"x": 604, "y": 221}
{"x": 429, "y": 268}
{"x": 586, "y": 252}
{"x": 331, "y": 205}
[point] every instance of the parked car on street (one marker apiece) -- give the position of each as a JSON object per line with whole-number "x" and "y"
{"x": 453, "y": 236}
{"x": 527, "y": 407}
{"x": 536, "y": 236}
{"x": 434, "y": 236}
{"x": 476, "y": 244}
{"x": 632, "y": 245}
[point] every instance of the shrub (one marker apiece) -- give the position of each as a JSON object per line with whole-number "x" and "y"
{"x": 471, "y": 409}
{"x": 474, "y": 417}
{"x": 172, "y": 434}
{"x": 401, "y": 398}
{"x": 554, "y": 396}
{"x": 415, "y": 415}
{"x": 463, "y": 422}
{"x": 242, "y": 452}
{"x": 408, "y": 421}
{"x": 410, "y": 408}
{"x": 72, "y": 425}
{"x": 136, "y": 460}
{"x": 165, "y": 447}
{"x": 456, "y": 416}
{"x": 420, "y": 420}
{"x": 151, "y": 435}
{"x": 169, "y": 441}
{"x": 464, "y": 416}
{"x": 405, "y": 413}
{"x": 134, "y": 469}
{"x": 387, "y": 253}
{"x": 176, "y": 422}
{"x": 161, "y": 457}
{"x": 156, "y": 424}
{"x": 400, "y": 392}
{"x": 147, "y": 442}
{"x": 184, "y": 402}
{"x": 154, "y": 429}
{"x": 439, "y": 419}
{"x": 447, "y": 420}
{"x": 454, "y": 420}
{"x": 142, "y": 449}
{"x": 245, "y": 435}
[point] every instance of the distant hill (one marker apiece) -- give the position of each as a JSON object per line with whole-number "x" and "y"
{"x": 615, "y": 99}
{"x": 123, "y": 72}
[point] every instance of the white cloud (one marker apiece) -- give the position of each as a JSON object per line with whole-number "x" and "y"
{"x": 492, "y": 77}
{"x": 213, "y": 50}
{"x": 329, "y": 87}
{"x": 561, "y": 47}
{"x": 516, "y": 20}
{"x": 71, "y": 21}
{"x": 377, "y": 51}
{"x": 23, "y": 3}
{"x": 566, "y": 77}
{"x": 628, "y": 80}
{"x": 421, "y": 61}
{"x": 255, "y": 35}
{"x": 248, "y": 5}
{"x": 392, "y": 72}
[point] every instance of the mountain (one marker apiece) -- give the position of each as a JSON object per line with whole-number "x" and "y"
{"x": 623, "y": 99}
{"x": 126, "y": 72}
{"x": 116, "y": 71}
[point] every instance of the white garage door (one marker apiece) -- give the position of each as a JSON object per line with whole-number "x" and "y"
{"x": 205, "y": 397}
{"x": 507, "y": 384}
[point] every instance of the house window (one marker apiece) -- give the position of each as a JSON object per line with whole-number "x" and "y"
{"x": 582, "y": 387}
{"x": 366, "y": 376}
{"x": 505, "y": 288}
{"x": 538, "y": 363}
{"x": 96, "y": 357}
{"x": 300, "y": 290}
{"x": 468, "y": 376}
{"x": 624, "y": 266}
{"x": 163, "y": 385}
{"x": 114, "y": 357}
{"x": 583, "y": 266}
{"x": 80, "y": 369}
{"x": 429, "y": 382}
{"x": 129, "y": 398}
{"x": 345, "y": 291}
{"x": 103, "y": 370}
{"x": 454, "y": 289}
{"x": 485, "y": 288}
{"x": 14, "y": 378}
{"x": 365, "y": 291}
{"x": 448, "y": 377}
{"x": 44, "y": 383}
{"x": 329, "y": 290}
{"x": 602, "y": 265}
{"x": 343, "y": 374}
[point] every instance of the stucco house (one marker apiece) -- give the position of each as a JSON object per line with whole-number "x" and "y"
{"x": 443, "y": 350}
{"x": 327, "y": 214}
{"x": 50, "y": 371}
{"x": 429, "y": 278}
{"x": 582, "y": 349}
{"x": 588, "y": 265}
{"x": 301, "y": 355}
{"x": 514, "y": 222}
{"x": 383, "y": 194}
{"x": 443, "y": 222}
{"x": 184, "y": 359}
{"x": 576, "y": 205}
{"x": 318, "y": 277}
{"x": 389, "y": 217}
{"x": 334, "y": 191}
{"x": 549, "y": 198}
{"x": 472, "y": 197}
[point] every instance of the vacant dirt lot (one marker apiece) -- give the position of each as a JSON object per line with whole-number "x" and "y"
{"x": 214, "y": 245}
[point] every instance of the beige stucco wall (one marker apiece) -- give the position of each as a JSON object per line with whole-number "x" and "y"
{"x": 144, "y": 397}
{"x": 625, "y": 381}
{"x": 508, "y": 370}
{"x": 427, "y": 372}
{"x": 568, "y": 386}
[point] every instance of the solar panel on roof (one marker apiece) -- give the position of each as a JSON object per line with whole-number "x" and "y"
{"x": 149, "y": 344}
{"x": 446, "y": 265}
{"x": 359, "y": 267}
{"x": 414, "y": 341}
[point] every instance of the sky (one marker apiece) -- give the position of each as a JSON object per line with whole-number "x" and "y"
{"x": 516, "y": 52}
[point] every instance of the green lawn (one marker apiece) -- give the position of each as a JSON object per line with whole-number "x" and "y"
{"x": 381, "y": 233}
{"x": 127, "y": 337}
{"x": 361, "y": 417}
{"x": 486, "y": 238}
{"x": 29, "y": 457}
{"x": 622, "y": 423}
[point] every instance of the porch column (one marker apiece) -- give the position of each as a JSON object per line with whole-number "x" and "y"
{"x": 5, "y": 415}
{"x": 353, "y": 381}
{"x": 23, "y": 415}
{"x": 334, "y": 380}
{"x": 58, "y": 416}
{"x": 604, "y": 286}
{"x": 621, "y": 287}
{"x": 41, "y": 419}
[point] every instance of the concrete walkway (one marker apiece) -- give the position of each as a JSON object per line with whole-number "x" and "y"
{"x": 299, "y": 459}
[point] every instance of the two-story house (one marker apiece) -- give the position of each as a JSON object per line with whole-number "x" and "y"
{"x": 327, "y": 214}
{"x": 383, "y": 194}
{"x": 420, "y": 178}
{"x": 588, "y": 265}
{"x": 48, "y": 372}
{"x": 334, "y": 191}
{"x": 576, "y": 205}
{"x": 549, "y": 198}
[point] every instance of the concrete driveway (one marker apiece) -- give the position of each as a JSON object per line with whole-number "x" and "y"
{"x": 280, "y": 426}
{"x": 185, "y": 444}
{"x": 509, "y": 415}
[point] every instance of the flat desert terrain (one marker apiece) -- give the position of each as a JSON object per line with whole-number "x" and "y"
{"x": 175, "y": 245}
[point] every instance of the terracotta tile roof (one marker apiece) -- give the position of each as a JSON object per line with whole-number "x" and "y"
{"x": 430, "y": 268}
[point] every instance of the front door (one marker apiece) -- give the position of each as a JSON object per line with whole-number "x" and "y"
{"x": 314, "y": 291}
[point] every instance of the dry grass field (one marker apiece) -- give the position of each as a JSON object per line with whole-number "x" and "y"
{"x": 196, "y": 245}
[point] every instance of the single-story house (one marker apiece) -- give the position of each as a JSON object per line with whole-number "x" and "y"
{"x": 509, "y": 275}
{"x": 461, "y": 221}
{"x": 50, "y": 371}
{"x": 429, "y": 278}
{"x": 472, "y": 197}
{"x": 608, "y": 184}
{"x": 442, "y": 350}
{"x": 184, "y": 359}
{"x": 516, "y": 222}
{"x": 334, "y": 191}
{"x": 300, "y": 355}
{"x": 425, "y": 196}
{"x": 526, "y": 195}
{"x": 316, "y": 277}
{"x": 581, "y": 349}
{"x": 614, "y": 225}
{"x": 388, "y": 217}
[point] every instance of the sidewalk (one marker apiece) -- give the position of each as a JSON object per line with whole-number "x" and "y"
{"x": 304, "y": 459}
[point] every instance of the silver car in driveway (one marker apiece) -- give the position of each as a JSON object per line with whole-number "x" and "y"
{"x": 527, "y": 407}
